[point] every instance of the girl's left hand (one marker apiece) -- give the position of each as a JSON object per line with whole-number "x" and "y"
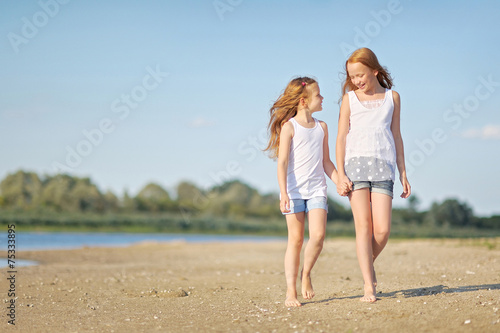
{"x": 344, "y": 189}
{"x": 344, "y": 186}
{"x": 406, "y": 187}
{"x": 285, "y": 204}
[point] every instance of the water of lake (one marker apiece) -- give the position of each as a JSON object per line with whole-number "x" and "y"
{"x": 72, "y": 240}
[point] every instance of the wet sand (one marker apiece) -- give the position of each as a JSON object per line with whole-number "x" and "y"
{"x": 424, "y": 286}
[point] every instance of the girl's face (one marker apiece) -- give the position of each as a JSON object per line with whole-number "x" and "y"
{"x": 314, "y": 100}
{"x": 362, "y": 76}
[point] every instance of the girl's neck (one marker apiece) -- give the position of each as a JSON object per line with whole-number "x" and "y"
{"x": 304, "y": 116}
{"x": 378, "y": 89}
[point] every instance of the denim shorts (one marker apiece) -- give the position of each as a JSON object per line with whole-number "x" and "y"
{"x": 305, "y": 205}
{"x": 384, "y": 186}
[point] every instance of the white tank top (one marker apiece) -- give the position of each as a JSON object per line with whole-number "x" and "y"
{"x": 306, "y": 175}
{"x": 370, "y": 150}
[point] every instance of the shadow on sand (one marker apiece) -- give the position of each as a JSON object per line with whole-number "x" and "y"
{"x": 418, "y": 292}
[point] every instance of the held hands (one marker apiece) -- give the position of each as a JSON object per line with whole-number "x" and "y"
{"x": 285, "y": 204}
{"x": 344, "y": 186}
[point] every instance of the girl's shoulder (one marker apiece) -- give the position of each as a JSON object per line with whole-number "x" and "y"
{"x": 288, "y": 123}
{"x": 395, "y": 96}
{"x": 321, "y": 122}
{"x": 323, "y": 125}
{"x": 347, "y": 95}
{"x": 350, "y": 93}
{"x": 345, "y": 105}
{"x": 287, "y": 127}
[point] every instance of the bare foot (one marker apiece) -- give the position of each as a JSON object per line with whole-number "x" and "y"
{"x": 370, "y": 293}
{"x": 307, "y": 288}
{"x": 374, "y": 278}
{"x": 291, "y": 299}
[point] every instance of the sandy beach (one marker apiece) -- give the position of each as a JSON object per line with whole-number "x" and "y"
{"x": 424, "y": 286}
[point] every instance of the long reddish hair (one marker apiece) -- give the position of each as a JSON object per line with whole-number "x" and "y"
{"x": 284, "y": 109}
{"x": 368, "y": 58}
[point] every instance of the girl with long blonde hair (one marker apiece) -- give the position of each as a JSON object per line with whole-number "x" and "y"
{"x": 300, "y": 144}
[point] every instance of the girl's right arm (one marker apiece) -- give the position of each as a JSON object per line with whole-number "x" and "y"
{"x": 345, "y": 113}
{"x": 398, "y": 140}
{"x": 286, "y": 136}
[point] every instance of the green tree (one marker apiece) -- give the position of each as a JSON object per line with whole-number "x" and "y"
{"x": 86, "y": 197}
{"x": 64, "y": 193}
{"x": 231, "y": 199}
{"x": 153, "y": 198}
{"x": 413, "y": 203}
{"x": 337, "y": 212}
{"x": 55, "y": 193}
{"x": 191, "y": 198}
{"x": 450, "y": 212}
{"x": 492, "y": 222}
{"x": 234, "y": 192}
{"x": 111, "y": 201}
{"x": 21, "y": 190}
{"x": 128, "y": 203}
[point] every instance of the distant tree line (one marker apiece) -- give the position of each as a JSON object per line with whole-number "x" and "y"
{"x": 24, "y": 191}
{"x": 62, "y": 193}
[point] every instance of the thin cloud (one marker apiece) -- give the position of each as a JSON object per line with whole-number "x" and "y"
{"x": 488, "y": 132}
{"x": 200, "y": 122}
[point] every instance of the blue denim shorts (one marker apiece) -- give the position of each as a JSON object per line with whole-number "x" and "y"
{"x": 305, "y": 205}
{"x": 384, "y": 187}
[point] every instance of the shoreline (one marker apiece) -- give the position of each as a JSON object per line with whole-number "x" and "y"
{"x": 64, "y": 240}
{"x": 424, "y": 285}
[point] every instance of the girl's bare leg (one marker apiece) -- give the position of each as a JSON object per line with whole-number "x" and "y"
{"x": 295, "y": 224}
{"x": 362, "y": 213}
{"x": 317, "y": 230}
{"x": 381, "y": 217}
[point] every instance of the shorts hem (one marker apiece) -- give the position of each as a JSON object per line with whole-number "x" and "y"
{"x": 382, "y": 187}
{"x": 306, "y": 205}
{"x": 305, "y": 211}
{"x": 382, "y": 191}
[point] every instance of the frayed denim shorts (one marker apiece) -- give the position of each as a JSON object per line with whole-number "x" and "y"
{"x": 384, "y": 187}
{"x": 305, "y": 205}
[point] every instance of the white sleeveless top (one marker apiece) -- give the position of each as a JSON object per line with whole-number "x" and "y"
{"x": 370, "y": 150}
{"x": 306, "y": 175}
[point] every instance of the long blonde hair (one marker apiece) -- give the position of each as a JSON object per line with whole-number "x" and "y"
{"x": 368, "y": 58}
{"x": 284, "y": 109}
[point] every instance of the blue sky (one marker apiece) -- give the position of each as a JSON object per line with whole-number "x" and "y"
{"x": 128, "y": 92}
